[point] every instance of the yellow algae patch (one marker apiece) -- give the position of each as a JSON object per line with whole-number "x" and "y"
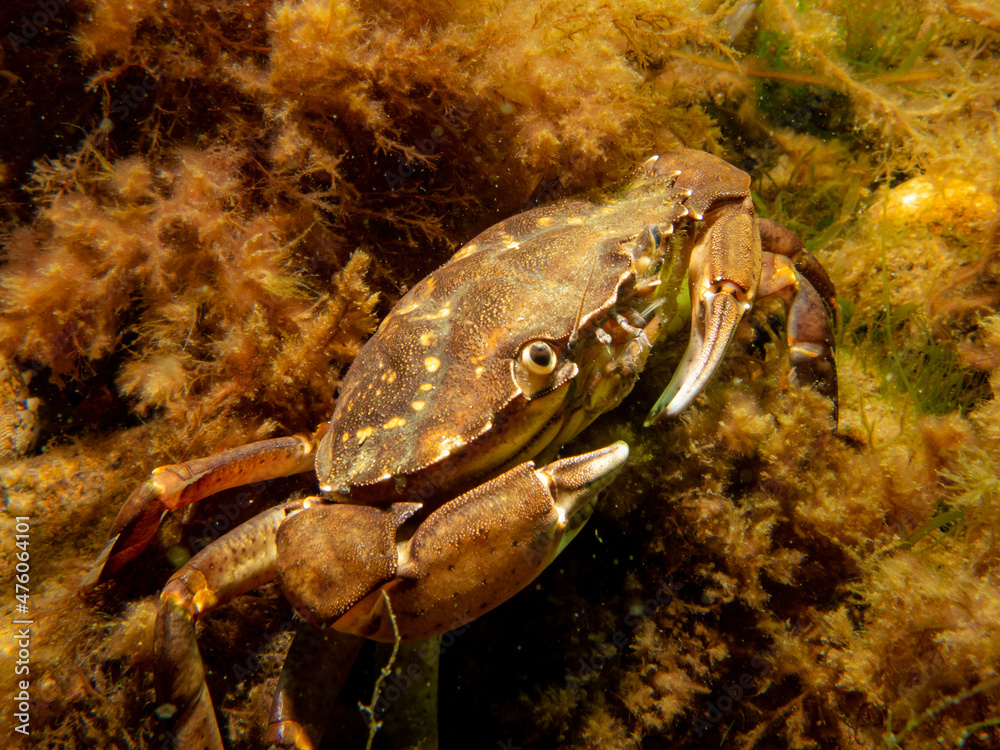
{"x": 394, "y": 422}
{"x": 426, "y": 387}
{"x": 418, "y": 405}
{"x": 949, "y": 202}
{"x": 429, "y": 338}
{"x": 432, "y": 364}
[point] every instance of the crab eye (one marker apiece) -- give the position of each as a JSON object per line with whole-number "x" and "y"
{"x": 539, "y": 357}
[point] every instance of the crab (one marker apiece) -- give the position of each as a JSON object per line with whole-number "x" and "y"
{"x": 440, "y": 495}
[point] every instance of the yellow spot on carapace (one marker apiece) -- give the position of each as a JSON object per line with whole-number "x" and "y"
{"x": 428, "y": 339}
{"x": 448, "y": 445}
{"x": 479, "y": 371}
{"x": 390, "y": 376}
{"x": 444, "y": 312}
{"x": 466, "y": 251}
{"x": 394, "y": 422}
{"x": 426, "y": 387}
{"x": 545, "y": 221}
{"x": 407, "y": 308}
{"x": 432, "y": 364}
{"x": 418, "y": 405}
{"x": 345, "y": 437}
{"x": 575, "y": 220}
{"x": 363, "y": 435}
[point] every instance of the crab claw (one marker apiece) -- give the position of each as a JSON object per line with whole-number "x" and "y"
{"x": 464, "y": 559}
{"x": 724, "y": 272}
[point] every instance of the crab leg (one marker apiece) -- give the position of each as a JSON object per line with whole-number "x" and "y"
{"x": 808, "y": 325}
{"x": 723, "y": 273}
{"x": 780, "y": 240}
{"x": 810, "y": 306}
{"x": 312, "y": 677}
{"x": 240, "y": 561}
{"x": 178, "y": 485}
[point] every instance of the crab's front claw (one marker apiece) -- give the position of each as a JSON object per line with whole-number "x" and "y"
{"x": 723, "y": 273}
{"x": 464, "y": 559}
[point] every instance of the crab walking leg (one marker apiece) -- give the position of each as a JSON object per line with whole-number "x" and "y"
{"x": 178, "y": 485}
{"x": 808, "y": 326}
{"x": 723, "y": 273}
{"x": 803, "y": 289}
{"x": 240, "y": 561}
{"x": 315, "y": 670}
{"x": 780, "y": 240}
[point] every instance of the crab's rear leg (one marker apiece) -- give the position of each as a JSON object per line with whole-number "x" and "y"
{"x": 808, "y": 325}
{"x": 315, "y": 670}
{"x": 178, "y": 485}
{"x": 238, "y": 562}
{"x": 781, "y": 240}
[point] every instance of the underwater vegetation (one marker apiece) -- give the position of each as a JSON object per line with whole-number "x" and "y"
{"x": 208, "y": 213}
